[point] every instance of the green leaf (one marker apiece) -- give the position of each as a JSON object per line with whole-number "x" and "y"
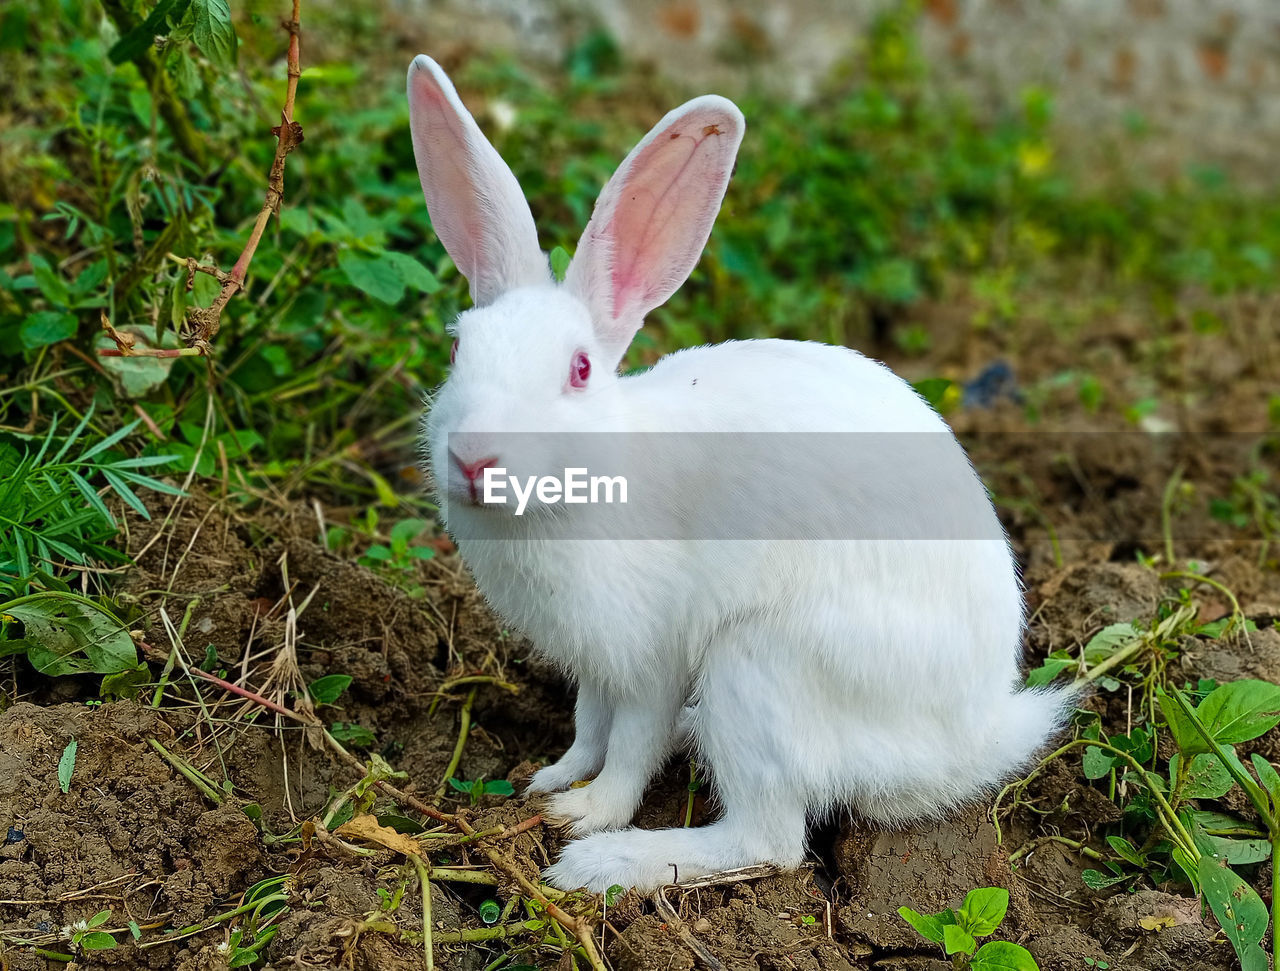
{"x": 98, "y": 919}
{"x": 97, "y": 941}
{"x": 66, "y": 634}
{"x": 955, "y": 939}
{"x": 560, "y": 260}
{"x": 459, "y": 785}
{"x": 1206, "y": 777}
{"x": 490, "y": 911}
{"x": 1236, "y": 852}
{"x": 499, "y": 787}
{"x": 1185, "y": 736}
{"x": 1003, "y": 956}
{"x": 46, "y": 327}
{"x": 326, "y": 690}
{"x": 933, "y": 390}
{"x": 1240, "y": 912}
{"x": 140, "y": 39}
{"x": 1267, "y": 775}
{"x": 1097, "y": 763}
{"x": 377, "y": 274}
{"x": 413, "y": 273}
{"x": 354, "y": 734}
{"x": 91, "y": 496}
{"x": 401, "y": 824}
{"x": 1188, "y": 866}
{"x": 1096, "y": 880}
{"x": 926, "y": 926}
{"x": 1109, "y": 640}
{"x": 1050, "y": 669}
{"x": 213, "y": 31}
{"x": 614, "y": 894}
{"x": 125, "y": 684}
{"x": 67, "y": 765}
{"x": 1240, "y": 711}
{"x": 121, "y": 487}
{"x": 138, "y": 375}
{"x": 1126, "y": 850}
{"x": 983, "y": 910}
{"x": 50, "y": 283}
{"x": 1216, "y": 628}
{"x": 407, "y": 529}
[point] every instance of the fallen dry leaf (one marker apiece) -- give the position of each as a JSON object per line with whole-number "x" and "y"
{"x": 368, "y": 828}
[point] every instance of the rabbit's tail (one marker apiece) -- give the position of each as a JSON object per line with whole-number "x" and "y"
{"x": 961, "y": 766}
{"x": 1029, "y": 720}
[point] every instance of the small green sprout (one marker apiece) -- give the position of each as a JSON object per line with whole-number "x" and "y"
{"x": 958, "y": 931}
{"x": 478, "y": 789}
{"x": 85, "y": 936}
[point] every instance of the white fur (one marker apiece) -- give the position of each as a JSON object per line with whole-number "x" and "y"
{"x": 810, "y": 675}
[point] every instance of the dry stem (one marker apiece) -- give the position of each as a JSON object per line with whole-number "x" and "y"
{"x": 203, "y": 323}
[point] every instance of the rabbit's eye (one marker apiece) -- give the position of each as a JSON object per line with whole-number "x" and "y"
{"x": 453, "y": 352}
{"x": 579, "y": 370}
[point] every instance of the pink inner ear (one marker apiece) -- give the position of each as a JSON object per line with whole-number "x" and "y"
{"x": 476, "y": 205}
{"x": 667, "y": 202}
{"x": 446, "y": 177}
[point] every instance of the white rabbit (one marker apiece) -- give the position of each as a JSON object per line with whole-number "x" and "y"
{"x": 829, "y": 644}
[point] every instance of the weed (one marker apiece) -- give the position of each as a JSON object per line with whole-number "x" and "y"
{"x": 67, "y": 765}
{"x": 85, "y": 936}
{"x": 958, "y": 931}
{"x": 51, "y": 512}
{"x": 479, "y": 788}
{"x": 326, "y": 690}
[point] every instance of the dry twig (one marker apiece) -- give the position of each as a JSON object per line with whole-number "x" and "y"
{"x": 202, "y": 323}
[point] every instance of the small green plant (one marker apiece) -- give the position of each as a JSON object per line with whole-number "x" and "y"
{"x": 352, "y": 734}
{"x": 957, "y": 931}
{"x": 1183, "y": 840}
{"x": 67, "y": 765}
{"x": 479, "y": 788}
{"x": 66, "y": 633}
{"x": 51, "y": 512}
{"x": 399, "y": 555}
{"x": 85, "y": 936}
{"x": 327, "y": 690}
{"x": 241, "y": 955}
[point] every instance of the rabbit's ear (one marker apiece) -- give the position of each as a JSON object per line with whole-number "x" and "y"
{"x": 475, "y": 202}
{"x": 654, "y": 216}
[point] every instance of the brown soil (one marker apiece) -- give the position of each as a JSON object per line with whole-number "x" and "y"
{"x": 133, "y": 836}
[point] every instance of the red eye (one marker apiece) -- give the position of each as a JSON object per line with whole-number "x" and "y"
{"x": 453, "y": 352}
{"x": 579, "y": 370}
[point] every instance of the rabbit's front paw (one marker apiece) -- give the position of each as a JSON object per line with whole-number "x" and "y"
{"x": 559, "y": 775}
{"x": 589, "y": 809}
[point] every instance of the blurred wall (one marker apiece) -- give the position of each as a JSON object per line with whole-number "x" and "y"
{"x": 1199, "y": 78}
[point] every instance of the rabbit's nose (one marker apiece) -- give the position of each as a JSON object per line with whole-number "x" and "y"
{"x": 473, "y": 470}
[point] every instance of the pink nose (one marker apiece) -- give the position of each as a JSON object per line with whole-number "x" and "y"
{"x": 473, "y": 470}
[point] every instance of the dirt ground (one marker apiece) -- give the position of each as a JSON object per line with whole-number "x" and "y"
{"x": 135, "y": 836}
